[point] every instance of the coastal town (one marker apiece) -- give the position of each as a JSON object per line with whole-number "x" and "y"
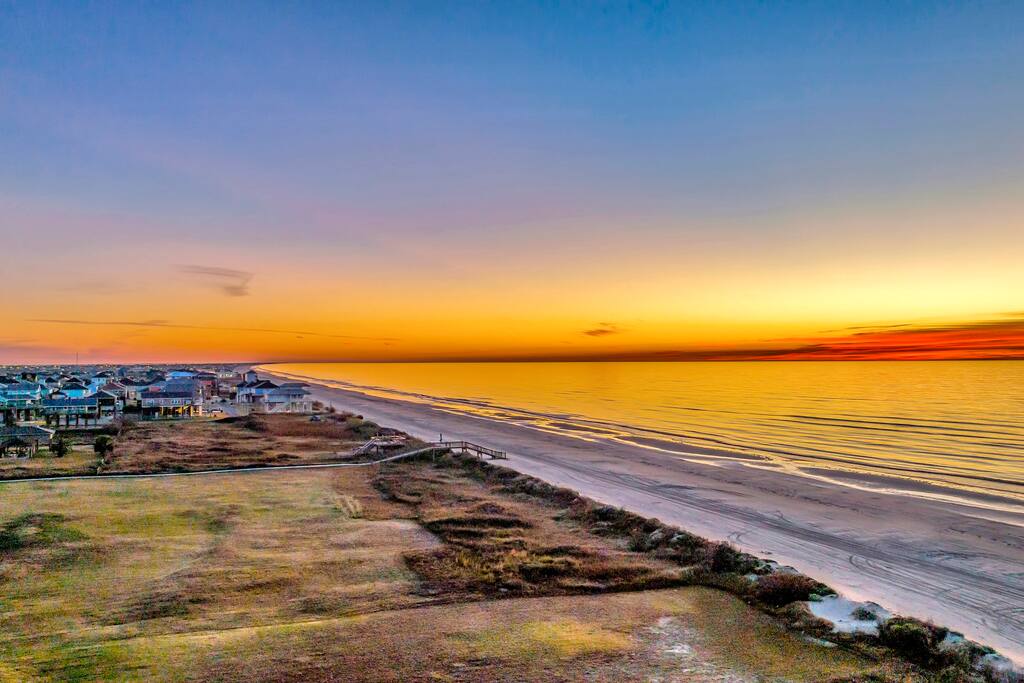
{"x": 38, "y": 402}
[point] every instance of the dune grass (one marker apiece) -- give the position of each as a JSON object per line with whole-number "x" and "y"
{"x": 252, "y": 441}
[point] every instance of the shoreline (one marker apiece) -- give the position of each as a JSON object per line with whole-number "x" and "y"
{"x": 958, "y": 565}
{"x": 897, "y": 478}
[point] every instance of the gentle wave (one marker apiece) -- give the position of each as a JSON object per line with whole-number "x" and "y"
{"x": 955, "y": 425}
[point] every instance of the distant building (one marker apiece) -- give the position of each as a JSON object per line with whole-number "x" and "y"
{"x": 74, "y": 389}
{"x": 109, "y": 404}
{"x": 115, "y": 388}
{"x": 21, "y": 391}
{"x": 78, "y": 411}
{"x": 133, "y": 389}
{"x": 19, "y": 400}
{"x": 289, "y": 398}
{"x": 253, "y": 390}
{"x": 208, "y": 383}
{"x": 156, "y": 403}
{"x": 262, "y": 395}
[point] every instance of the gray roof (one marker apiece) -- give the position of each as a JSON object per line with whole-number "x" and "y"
{"x": 167, "y": 394}
{"x": 22, "y": 386}
{"x": 29, "y": 431}
{"x": 258, "y": 384}
{"x": 289, "y": 391}
{"x": 69, "y": 402}
{"x": 26, "y": 430}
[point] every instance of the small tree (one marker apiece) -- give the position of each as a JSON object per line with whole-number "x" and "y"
{"x": 60, "y": 446}
{"x": 103, "y": 445}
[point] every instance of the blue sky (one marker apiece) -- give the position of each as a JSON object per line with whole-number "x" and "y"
{"x": 417, "y": 130}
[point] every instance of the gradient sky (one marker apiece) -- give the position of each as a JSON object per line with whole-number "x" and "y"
{"x": 376, "y": 180}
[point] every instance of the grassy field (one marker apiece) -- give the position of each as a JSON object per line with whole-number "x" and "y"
{"x": 82, "y": 460}
{"x": 413, "y": 573}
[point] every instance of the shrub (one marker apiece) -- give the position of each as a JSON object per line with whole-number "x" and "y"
{"x": 638, "y": 542}
{"x": 546, "y": 567}
{"x": 953, "y": 674}
{"x": 721, "y": 557}
{"x": 60, "y": 446}
{"x": 253, "y": 423}
{"x": 864, "y": 614}
{"x": 912, "y": 638}
{"x": 103, "y": 444}
{"x": 778, "y": 590}
{"x": 364, "y": 429}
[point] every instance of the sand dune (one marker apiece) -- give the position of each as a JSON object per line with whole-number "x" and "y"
{"x": 959, "y": 564}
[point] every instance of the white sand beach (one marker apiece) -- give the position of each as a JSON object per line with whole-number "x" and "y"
{"x": 917, "y": 553}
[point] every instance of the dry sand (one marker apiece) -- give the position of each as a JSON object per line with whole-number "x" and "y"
{"x": 961, "y": 565}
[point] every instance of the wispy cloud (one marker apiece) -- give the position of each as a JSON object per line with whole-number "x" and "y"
{"x": 231, "y": 282}
{"x": 999, "y": 338}
{"x": 31, "y": 351}
{"x": 97, "y": 287}
{"x": 166, "y": 324}
{"x": 603, "y": 330}
{"x": 992, "y": 339}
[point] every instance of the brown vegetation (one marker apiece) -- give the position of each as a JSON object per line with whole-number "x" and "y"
{"x": 902, "y": 641}
{"x": 497, "y": 546}
{"x": 251, "y": 441}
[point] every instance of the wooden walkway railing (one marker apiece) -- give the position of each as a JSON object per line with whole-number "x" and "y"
{"x": 469, "y": 447}
{"x": 381, "y": 444}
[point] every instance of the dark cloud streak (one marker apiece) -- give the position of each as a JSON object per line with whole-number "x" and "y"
{"x": 231, "y": 282}
{"x": 165, "y": 324}
{"x": 603, "y": 330}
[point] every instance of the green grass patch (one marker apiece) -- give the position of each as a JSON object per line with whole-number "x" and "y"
{"x": 37, "y": 530}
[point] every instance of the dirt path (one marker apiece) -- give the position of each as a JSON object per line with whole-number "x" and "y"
{"x": 959, "y": 565}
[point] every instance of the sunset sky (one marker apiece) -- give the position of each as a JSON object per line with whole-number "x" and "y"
{"x": 427, "y": 180}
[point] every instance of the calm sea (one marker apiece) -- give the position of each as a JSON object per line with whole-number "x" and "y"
{"x": 957, "y": 424}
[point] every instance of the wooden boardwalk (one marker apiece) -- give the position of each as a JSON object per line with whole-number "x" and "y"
{"x": 382, "y": 444}
{"x": 469, "y": 447}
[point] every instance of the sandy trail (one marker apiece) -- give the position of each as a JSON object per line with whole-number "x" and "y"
{"x": 959, "y": 565}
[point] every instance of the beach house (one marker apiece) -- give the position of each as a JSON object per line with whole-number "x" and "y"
{"x": 254, "y": 390}
{"x": 77, "y": 411}
{"x": 19, "y": 400}
{"x": 156, "y": 402}
{"x": 288, "y": 398}
{"x": 262, "y": 395}
{"x": 74, "y": 389}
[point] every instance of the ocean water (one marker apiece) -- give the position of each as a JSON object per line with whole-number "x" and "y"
{"x": 958, "y": 425}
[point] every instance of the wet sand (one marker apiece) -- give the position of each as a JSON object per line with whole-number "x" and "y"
{"x": 911, "y": 548}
